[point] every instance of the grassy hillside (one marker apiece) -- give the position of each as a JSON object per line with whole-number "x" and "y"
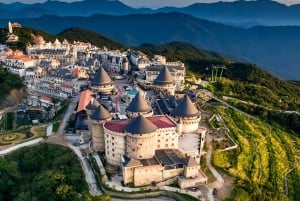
{"x": 264, "y": 155}
{"x": 246, "y": 82}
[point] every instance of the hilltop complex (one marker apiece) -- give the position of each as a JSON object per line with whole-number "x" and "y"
{"x": 132, "y": 109}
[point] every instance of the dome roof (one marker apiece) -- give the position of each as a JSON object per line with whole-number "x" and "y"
{"x": 101, "y": 77}
{"x": 101, "y": 114}
{"x": 138, "y": 104}
{"x": 93, "y": 105}
{"x": 140, "y": 125}
{"x": 185, "y": 108}
{"x": 164, "y": 77}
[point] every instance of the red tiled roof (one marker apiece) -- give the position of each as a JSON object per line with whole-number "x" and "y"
{"x": 46, "y": 98}
{"x": 158, "y": 121}
{"x": 84, "y": 99}
{"x": 66, "y": 86}
{"x": 20, "y": 57}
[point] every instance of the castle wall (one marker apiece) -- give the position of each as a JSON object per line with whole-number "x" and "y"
{"x": 141, "y": 146}
{"x": 97, "y": 135}
{"x": 147, "y": 174}
{"x": 167, "y": 138}
{"x": 115, "y": 146}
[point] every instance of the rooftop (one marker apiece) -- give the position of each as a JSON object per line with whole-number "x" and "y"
{"x": 159, "y": 121}
{"x": 185, "y": 108}
{"x": 101, "y": 78}
{"x": 164, "y": 77}
{"x": 101, "y": 114}
{"x": 84, "y": 100}
{"x": 140, "y": 125}
{"x": 138, "y": 104}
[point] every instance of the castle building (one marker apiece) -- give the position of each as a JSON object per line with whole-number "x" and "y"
{"x": 131, "y": 136}
{"x": 138, "y": 106}
{"x": 101, "y": 82}
{"x": 187, "y": 115}
{"x": 165, "y": 82}
{"x": 177, "y": 71}
{"x": 98, "y": 118}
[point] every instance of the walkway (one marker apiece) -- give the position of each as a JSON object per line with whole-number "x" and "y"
{"x": 25, "y": 144}
{"x": 88, "y": 172}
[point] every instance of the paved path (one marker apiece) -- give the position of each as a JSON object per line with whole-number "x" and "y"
{"x": 49, "y": 129}
{"x": 88, "y": 172}
{"x": 25, "y": 144}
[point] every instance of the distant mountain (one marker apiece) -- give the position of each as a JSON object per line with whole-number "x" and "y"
{"x": 59, "y": 8}
{"x": 243, "y": 13}
{"x": 274, "y": 48}
{"x": 76, "y": 33}
{"x": 239, "y": 13}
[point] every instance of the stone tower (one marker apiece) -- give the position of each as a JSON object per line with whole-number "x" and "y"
{"x": 98, "y": 118}
{"x": 140, "y": 138}
{"x": 187, "y": 114}
{"x": 101, "y": 82}
{"x": 138, "y": 106}
{"x": 165, "y": 82}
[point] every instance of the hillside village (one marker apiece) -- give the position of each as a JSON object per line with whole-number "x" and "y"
{"x": 140, "y": 118}
{"x": 132, "y": 109}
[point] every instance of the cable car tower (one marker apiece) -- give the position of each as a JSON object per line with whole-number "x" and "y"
{"x": 214, "y": 73}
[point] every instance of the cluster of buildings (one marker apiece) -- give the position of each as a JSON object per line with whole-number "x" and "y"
{"x": 146, "y": 142}
{"x": 158, "y": 135}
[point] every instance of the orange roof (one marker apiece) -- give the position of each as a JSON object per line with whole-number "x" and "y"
{"x": 66, "y": 86}
{"x": 46, "y": 98}
{"x": 84, "y": 99}
{"x": 20, "y": 57}
{"x": 76, "y": 71}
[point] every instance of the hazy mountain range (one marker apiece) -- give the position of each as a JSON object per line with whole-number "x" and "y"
{"x": 240, "y": 13}
{"x": 274, "y": 48}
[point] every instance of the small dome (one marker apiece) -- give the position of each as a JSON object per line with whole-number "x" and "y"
{"x": 101, "y": 78}
{"x": 140, "y": 125}
{"x": 101, "y": 114}
{"x": 185, "y": 108}
{"x": 138, "y": 104}
{"x": 164, "y": 77}
{"x": 93, "y": 105}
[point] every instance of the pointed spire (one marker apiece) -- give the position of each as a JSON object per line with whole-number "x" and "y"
{"x": 191, "y": 162}
{"x": 185, "y": 108}
{"x": 138, "y": 104}
{"x": 164, "y": 77}
{"x": 140, "y": 125}
{"x": 101, "y": 114}
{"x": 101, "y": 77}
{"x": 93, "y": 104}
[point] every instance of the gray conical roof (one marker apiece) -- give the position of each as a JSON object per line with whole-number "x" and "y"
{"x": 185, "y": 108}
{"x": 138, "y": 104}
{"x": 93, "y": 105}
{"x": 101, "y": 114}
{"x": 164, "y": 77}
{"x": 101, "y": 77}
{"x": 140, "y": 125}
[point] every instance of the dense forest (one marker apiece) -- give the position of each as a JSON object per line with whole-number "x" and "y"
{"x": 8, "y": 81}
{"x": 79, "y": 34}
{"x": 43, "y": 172}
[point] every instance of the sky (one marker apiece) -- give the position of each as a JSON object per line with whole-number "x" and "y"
{"x": 152, "y": 3}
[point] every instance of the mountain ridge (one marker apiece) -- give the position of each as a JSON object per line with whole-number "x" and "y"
{"x": 274, "y": 48}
